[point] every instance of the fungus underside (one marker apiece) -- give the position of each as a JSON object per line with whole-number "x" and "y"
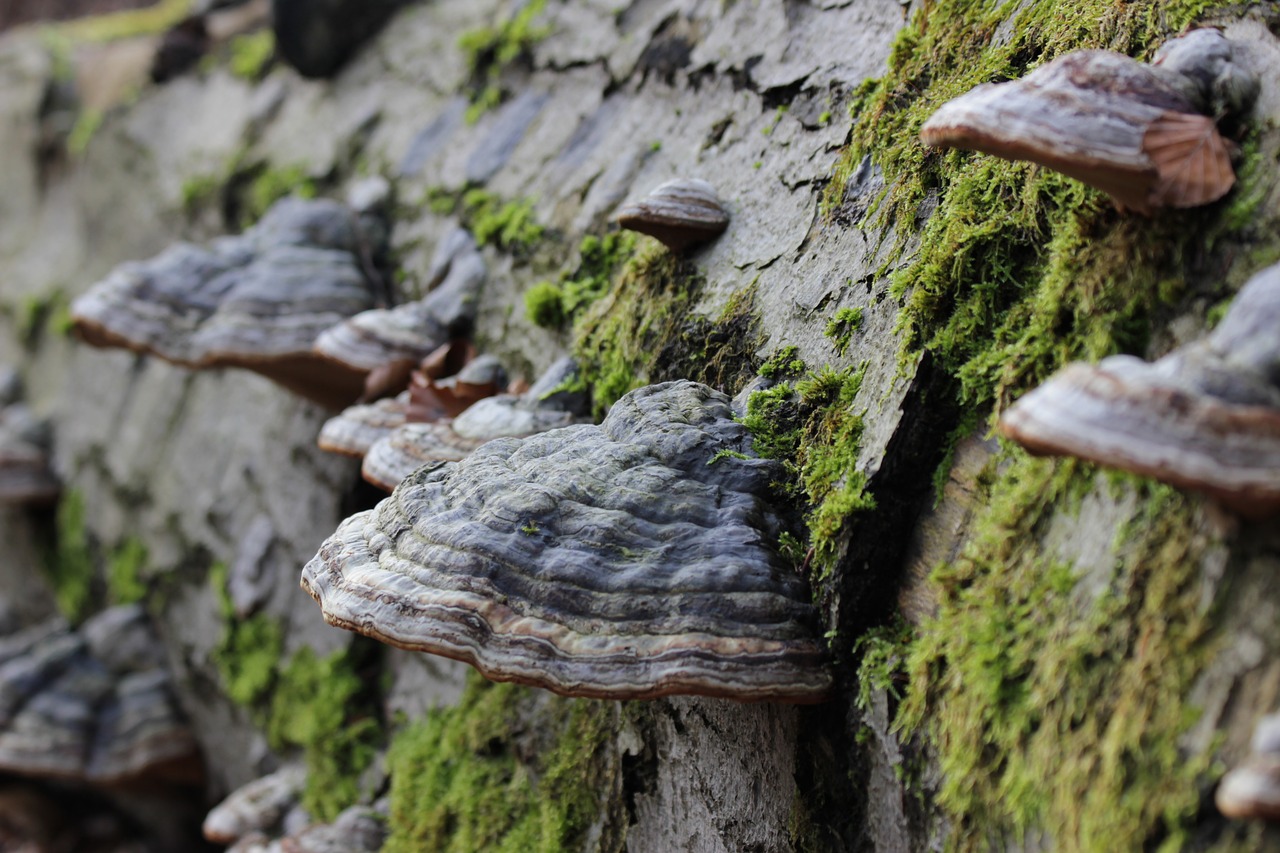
{"x": 508, "y": 768}
{"x": 1019, "y": 271}
{"x": 320, "y": 706}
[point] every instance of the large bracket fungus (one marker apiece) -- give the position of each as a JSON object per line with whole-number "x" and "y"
{"x": 1137, "y": 132}
{"x": 1205, "y": 417}
{"x": 93, "y": 705}
{"x": 628, "y": 560}
{"x": 258, "y": 300}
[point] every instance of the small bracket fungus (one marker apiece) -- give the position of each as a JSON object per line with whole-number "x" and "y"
{"x": 259, "y": 806}
{"x": 25, "y": 476}
{"x": 1251, "y": 791}
{"x": 679, "y": 214}
{"x": 94, "y": 705}
{"x": 415, "y": 329}
{"x": 609, "y": 561}
{"x": 546, "y": 405}
{"x": 258, "y": 300}
{"x": 1134, "y": 131}
{"x": 1205, "y": 417}
{"x": 430, "y": 397}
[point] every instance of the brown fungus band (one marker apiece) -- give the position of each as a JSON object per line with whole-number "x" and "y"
{"x": 633, "y": 559}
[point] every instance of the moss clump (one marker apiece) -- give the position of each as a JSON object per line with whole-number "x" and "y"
{"x": 506, "y": 225}
{"x": 250, "y": 54}
{"x": 73, "y": 566}
{"x": 615, "y": 339}
{"x": 492, "y": 51}
{"x": 552, "y": 305}
{"x": 465, "y": 778}
{"x": 36, "y": 315}
{"x": 321, "y": 706}
{"x": 812, "y": 426}
{"x": 151, "y": 20}
{"x": 1014, "y": 675}
{"x": 125, "y": 568}
{"x": 271, "y": 184}
{"x": 841, "y": 327}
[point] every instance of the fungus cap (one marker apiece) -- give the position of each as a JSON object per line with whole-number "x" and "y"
{"x": 257, "y": 301}
{"x": 680, "y": 213}
{"x": 1102, "y": 118}
{"x": 624, "y": 561}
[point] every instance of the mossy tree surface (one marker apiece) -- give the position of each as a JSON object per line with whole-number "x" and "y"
{"x": 321, "y": 706}
{"x": 1047, "y": 716}
{"x": 507, "y": 769}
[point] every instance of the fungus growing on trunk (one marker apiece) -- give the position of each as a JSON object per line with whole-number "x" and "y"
{"x": 679, "y": 214}
{"x": 546, "y": 405}
{"x": 415, "y": 329}
{"x": 258, "y": 300}
{"x": 1206, "y": 417}
{"x": 430, "y": 397}
{"x": 94, "y": 705}
{"x": 628, "y": 560}
{"x": 1251, "y": 790}
{"x": 1134, "y": 131}
{"x": 25, "y": 476}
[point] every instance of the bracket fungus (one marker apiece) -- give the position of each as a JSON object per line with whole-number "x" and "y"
{"x": 258, "y": 807}
{"x": 428, "y": 399}
{"x": 546, "y": 405}
{"x": 680, "y": 213}
{"x": 94, "y": 705}
{"x": 258, "y": 300}
{"x": 25, "y": 475}
{"x": 1206, "y": 417}
{"x": 1251, "y": 790}
{"x": 628, "y": 560}
{"x": 1135, "y": 131}
{"x": 415, "y": 329}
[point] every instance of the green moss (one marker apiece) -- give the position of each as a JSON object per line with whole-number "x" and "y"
{"x": 506, "y": 225}
{"x": 318, "y": 705}
{"x": 200, "y": 191}
{"x": 321, "y": 706}
{"x": 86, "y": 125}
{"x": 543, "y": 305}
{"x": 616, "y": 338}
{"x": 272, "y": 184}
{"x": 462, "y": 781}
{"x": 812, "y": 427}
{"x": 151, "y": 20}
{"x": 552, "y": 305}
{"x": 492, "y": 51}
{"x": 1014, "y": 675}
{"x": 38, "y": 314}
{"x": 73, "y": 566}
{"x": 251, "y": 53}
{"x": 841, "y": 327}
{"x": 125, "y": 568}
{"x": 784, "y": 363}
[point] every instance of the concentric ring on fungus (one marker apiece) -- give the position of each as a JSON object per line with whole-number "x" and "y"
{"x": 623, "y": 561}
